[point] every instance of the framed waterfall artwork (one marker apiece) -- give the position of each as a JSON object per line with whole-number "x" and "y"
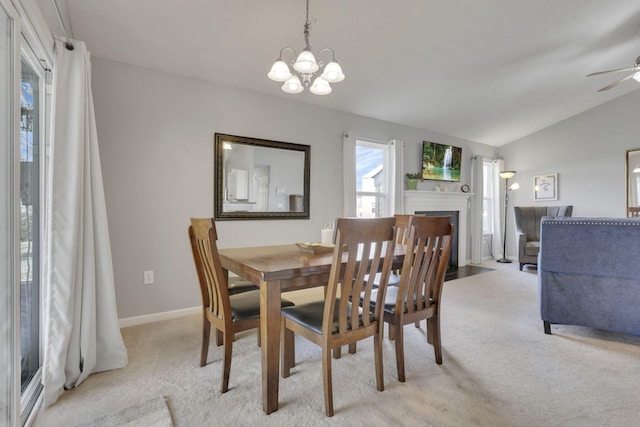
{"x": 545, "y": 187}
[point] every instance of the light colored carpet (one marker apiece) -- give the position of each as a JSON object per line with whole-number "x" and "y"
{"x": 151, "y": 413}
{"x": 499, "y": 369}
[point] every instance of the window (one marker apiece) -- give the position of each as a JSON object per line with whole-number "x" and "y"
{"x": 372, "y": 179}
{"x": 487, "y": 199}
{"x": 30, "y": 220}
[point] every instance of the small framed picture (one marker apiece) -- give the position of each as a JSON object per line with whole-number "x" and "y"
{"x": 545, "y": 187}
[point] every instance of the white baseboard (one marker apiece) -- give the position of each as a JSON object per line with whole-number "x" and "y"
{"x": 154, "y": 317}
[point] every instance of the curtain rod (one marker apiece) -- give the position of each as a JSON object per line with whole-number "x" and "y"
{"x": 67, "y": 44}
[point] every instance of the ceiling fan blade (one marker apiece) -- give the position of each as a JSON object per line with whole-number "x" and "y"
{"x": 615, "y": 83}
{"x": 614, "y": 71}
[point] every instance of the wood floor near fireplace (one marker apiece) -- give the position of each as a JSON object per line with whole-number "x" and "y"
{"x": 465, "y": 271}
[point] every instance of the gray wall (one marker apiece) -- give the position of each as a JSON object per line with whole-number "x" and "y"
{"x": 588, "y": 153}
{"x": 155, "y": 133}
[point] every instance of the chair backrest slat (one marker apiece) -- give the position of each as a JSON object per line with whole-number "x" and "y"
{"x": 403, "y": 225}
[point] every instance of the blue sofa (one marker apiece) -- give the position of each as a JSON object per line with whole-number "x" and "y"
{"x": 589, "y": 273}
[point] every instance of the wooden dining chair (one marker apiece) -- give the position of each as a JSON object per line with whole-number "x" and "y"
{"x": 363, "y": 247}
{"x": 227, "y": 313}
{"x": 419, "y": 293}
{"x": 402, "y": 225}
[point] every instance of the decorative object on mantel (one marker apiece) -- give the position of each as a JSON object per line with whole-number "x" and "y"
{"x": 506, "y": 175}
{"x": 545, "y": 187}
{"x": 412, "y": 181}
{"x": 305, "y": 67}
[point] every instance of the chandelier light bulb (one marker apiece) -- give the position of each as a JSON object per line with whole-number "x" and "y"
{"x": 306, "y": 63}
{"x": 293, "y": 85}
{"x": 320, "y": 87}
{"x": 279, "y": 71}
{"x": 333, "y": 72}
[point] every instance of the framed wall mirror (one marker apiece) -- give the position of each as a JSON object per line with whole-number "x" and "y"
{"x": 260, "y": 179}
{"x": 633, "y": 183}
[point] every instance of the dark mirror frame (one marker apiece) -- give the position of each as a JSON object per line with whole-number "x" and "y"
{"x": 220, "y": 214}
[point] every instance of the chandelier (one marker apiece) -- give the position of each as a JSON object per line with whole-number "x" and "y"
{"x": 305, "y": 68}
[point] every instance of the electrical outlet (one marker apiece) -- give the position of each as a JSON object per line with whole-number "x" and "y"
{"x": 147, "y": 277}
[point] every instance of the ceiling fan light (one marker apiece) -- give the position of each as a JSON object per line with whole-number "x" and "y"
{"x": 636, "y": 76}
{"x": 279, "y": 71}
{"x": 306, "y": 63}
{"x": 293, "y": 85}
{"x": 333, "y": 72}
{"x": 320, "y": 87}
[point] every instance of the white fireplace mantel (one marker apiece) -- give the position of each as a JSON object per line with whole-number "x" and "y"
{"x": 415, "y": 201}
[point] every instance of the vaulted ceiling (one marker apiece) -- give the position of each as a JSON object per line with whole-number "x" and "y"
{"x": 488, "y": 71}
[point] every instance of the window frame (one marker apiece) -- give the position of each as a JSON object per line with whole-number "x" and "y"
{"x": 388, "y": 192}
{"x": 487, "y": 200}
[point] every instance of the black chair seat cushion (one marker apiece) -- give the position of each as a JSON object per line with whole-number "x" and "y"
{"x": 246, "y": 305}
{"x": 394, "y": 279}
{"x": 389, "y": 299}
{"x": 310, "y": 315}
{"x": 238, "y": 285}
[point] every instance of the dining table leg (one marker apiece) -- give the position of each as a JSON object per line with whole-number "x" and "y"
{"x": 270, "y": 347}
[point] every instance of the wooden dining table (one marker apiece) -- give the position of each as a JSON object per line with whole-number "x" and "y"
{"x": 277, "y": 269}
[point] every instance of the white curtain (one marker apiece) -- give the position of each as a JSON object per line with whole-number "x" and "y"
{"x": 498, "y": 210}
{"x": 349, "y": 173}
{"x": 396, "y": 184}
{"x": 477, "y": 199}
{"x": 81, "y": 332}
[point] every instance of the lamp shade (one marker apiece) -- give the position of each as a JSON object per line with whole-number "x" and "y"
{"x": 333, "y": 72}
{"x": 507, "y": 174}
{"x": 279, "y": 71}
{"x": 293, "y": 85}
{"x": 306, "y": 63}
{"x": 514, "y": 186}
{"x": 320, "y": 87}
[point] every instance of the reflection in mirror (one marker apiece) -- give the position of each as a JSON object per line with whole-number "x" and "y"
{"x": 633, "y": 183}
{"x": 260, "y": 179}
